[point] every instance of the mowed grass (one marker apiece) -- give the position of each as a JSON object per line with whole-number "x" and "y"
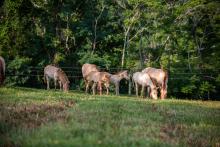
{"x": 33, "y": 117}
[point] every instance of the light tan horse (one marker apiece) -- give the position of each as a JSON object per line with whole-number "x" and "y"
{"x": 98, "y": 78}
{"x": 160, "y": 77}
{"x": 58, "y": 75}
{"x": 2, "y": 70}
{"x": 144, "y": 80}
{"x": 86, "y": 69}
{"x": 117, "y": 77}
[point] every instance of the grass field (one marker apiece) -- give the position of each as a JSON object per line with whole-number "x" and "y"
{"x": 33, "y": 117}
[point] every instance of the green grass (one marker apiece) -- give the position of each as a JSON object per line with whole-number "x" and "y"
{"x": 105, "y": 120}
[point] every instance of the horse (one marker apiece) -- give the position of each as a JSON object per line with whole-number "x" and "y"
{"x": 116, "y": 78}
{"x": 160, "y": 77}
{"x": 86, "y": 69}
{"x": 63, "y": 80}
{"x": 143, "y": 79}
{"x": 58, "y": 75}
{"x": 98, "y": 78}
{"x": 2, "y": 70}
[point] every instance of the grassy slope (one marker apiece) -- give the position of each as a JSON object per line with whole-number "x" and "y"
{"x": 118, "y": 121}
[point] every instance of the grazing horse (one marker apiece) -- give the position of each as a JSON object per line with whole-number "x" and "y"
{"x": 160, "y": 77}
{"x": 2, "y": 70}
{"x": 98, "y": 78}
{"x": 143, "y": 79}
{"x": 86, "y": 69}
{"x": 63, "y": 80}
{"x": 58, "y": 75}
{"x": 116, "y": 78}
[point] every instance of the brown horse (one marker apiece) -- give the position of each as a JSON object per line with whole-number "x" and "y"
{"x": 98, "y": 78}
{"x": 86, "y": 69}
{"x": 2, "y": 70}
{"x": 58, "y": 75}
{"x": 63, "y": 80}
{"x": 160, "y": 77}
{"x": 116, "y": 78}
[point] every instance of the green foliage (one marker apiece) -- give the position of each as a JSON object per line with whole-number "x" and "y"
{"x": 95, "y": 59}
{"x": 206, "y": 87}
{"x": 19, "y": 68}
{"x": 188, "y": 89}
{"x": 180, "y": 36}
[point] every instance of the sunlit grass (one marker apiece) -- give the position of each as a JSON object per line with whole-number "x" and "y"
{"x": 116, "y": 120}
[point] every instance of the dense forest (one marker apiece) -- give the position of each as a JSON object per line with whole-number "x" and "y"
{"x": 180, "y": 36}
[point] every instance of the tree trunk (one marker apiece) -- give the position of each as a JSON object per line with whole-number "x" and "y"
{"x": 95, "y": 36}
{"x": 140, "y": 53}
{"x": 126, "y": 45}
{"x": 67, "y": 37}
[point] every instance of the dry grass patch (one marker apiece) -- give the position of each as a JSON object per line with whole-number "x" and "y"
{"x": 30, "y": 116}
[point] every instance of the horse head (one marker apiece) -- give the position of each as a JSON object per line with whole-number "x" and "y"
{"x": 125, "y": 75}
{"x": 153, "y": 92}
{"x": 106, "y": 79}
{"x": 66, "y": 86}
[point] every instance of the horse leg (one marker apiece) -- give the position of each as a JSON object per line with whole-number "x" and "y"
{"x": 117, "y": 88}
{"x": 87, "y": 86}
{"x": 136, "y": 88}
{"x": 55, "y": 83}
{"x": 100, "y": 88}
{"x": 142, "y": 91}
{"x": 60, "y": 85}
{"x": 48, "y": 82}
{"x": 162, "y": 93}
{"x": 93, "y": 88}
{"x": 148, "y": 91}
{"x": 107, "y": 90}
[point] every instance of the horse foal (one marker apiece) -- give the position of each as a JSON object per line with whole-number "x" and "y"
{"x": 98, "y": 78}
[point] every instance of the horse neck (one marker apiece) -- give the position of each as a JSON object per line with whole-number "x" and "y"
{"x": 120, "y": 75}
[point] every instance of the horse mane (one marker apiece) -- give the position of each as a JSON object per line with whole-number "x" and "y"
{"x": 153, "y": 81}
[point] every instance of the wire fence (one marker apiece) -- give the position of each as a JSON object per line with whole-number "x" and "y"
{"x": 75, "y": 72}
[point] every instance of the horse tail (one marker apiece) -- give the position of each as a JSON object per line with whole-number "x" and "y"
{"x": 2, "y": 70}
{"x": 3, "y": 67}
{"x": 45, "y": 78}
{"x": 165, "y": 81}
{"x": 45, "y": 81}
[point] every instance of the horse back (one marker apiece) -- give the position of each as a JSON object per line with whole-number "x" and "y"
{"x": 50, "y": 71}
{"x": 87, "y": 68}
{"x": 157, "y": 75}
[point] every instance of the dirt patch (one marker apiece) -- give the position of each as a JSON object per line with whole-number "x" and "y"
{"x": 171, "y": 133}
{"x": 30, "y": 116}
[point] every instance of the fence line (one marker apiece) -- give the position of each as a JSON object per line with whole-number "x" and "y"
{"x": 79, "y": 71}
{"x": 77, "y": 77}
{"x": 76, "y": 73}
{"x": 70, "y": 67}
